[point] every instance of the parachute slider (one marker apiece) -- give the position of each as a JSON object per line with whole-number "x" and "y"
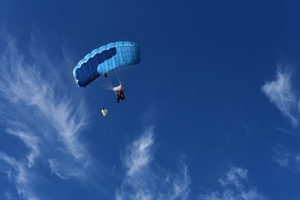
{"x": 104, "y": 112}
{"x": 115, "y": 89}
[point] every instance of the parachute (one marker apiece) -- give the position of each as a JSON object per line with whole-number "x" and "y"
{"x": 104, "y": 59}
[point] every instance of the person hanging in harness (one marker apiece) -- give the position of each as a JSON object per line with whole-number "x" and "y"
{"x": 120, "y": 94}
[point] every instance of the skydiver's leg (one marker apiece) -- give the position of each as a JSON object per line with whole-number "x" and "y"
{"x": 105, "y": 75}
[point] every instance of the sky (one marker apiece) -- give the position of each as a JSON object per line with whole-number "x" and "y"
{"x": 212, "y": 111}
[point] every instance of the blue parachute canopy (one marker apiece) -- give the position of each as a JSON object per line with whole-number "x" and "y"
{"x": 104, "y": 59}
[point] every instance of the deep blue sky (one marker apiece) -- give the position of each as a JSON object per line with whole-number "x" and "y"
{"x": 211, "y": 112}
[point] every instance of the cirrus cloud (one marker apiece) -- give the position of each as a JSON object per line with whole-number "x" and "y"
{"x": 233, "y": 188}
{"x": 143, "y": 181}
{"x": 281, "y": 93}
{"x": 42, "y": 117}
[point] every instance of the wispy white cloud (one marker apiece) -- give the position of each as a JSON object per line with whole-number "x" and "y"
{"x": 286, "y": 158}
{"x": 139, "y": 154}
{"x": 234, "y": 177}
{"x": 20, "y": 175}
{"x": 178, "y": 185}
{"x": 286, "y": 131}
{"x": 8, "y": 196}
{"x": 281, "y": 93}
{"x": 145, "y": 182}
{"x": 31, "y": 141}
{"x": 38, "y": 107}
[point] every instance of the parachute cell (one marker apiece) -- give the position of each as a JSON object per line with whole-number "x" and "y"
{"x": 104, "y": 59}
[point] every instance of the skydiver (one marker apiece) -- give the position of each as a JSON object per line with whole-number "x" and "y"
{"x": 120, "y": 95}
